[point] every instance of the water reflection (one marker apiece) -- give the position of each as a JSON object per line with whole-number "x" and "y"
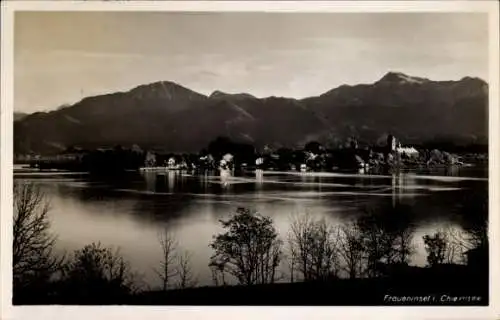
{"x": 225, "y": 176}
{"x": 259, "y": 179}
{"x": 452, "y": 171}
{"x": 131, "y": 212}
{"x": 394, "y": 190}
{"x": 203, "y": 179}
{"x": 150, "y": 178}
{"x": 171, "y": 176}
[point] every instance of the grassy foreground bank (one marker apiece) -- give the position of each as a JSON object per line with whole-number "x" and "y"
{"x": 450, "y": 285}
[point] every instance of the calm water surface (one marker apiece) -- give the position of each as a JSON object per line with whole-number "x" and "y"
{"x": 130, "y": 213}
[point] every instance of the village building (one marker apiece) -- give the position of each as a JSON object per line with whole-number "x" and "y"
{"x": 391, "y": 143}
{"x": 171, "y": 163}
{"x": 408, "y": 151}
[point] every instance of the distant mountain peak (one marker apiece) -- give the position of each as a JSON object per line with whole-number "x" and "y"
{"x": 217, "y": 94}
{"x": 156, "y": 85}
{"x": 473, "y": 79}
{"x": 163, "y": 89}
{"x": 167, "y": 115}
{"x": 19, "y": 115}
{"x": 401, "y": 78}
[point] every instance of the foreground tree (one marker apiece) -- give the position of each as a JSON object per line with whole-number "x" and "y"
{"x": 401, "y": 229}
{"x": 217, "y": 270}
{"x": 185, "y": 271}
{"x": 387, "y": 236}
{"x": 175, "y": 263}
{"x": 313, "y": 248}
{"x": 97, "y": 273}
{"x": 169, "y": 256}
{"x": 440, "y": 249}
{"x": 351, "y": 250}
{"x": 33, "y": 261}
{"x": 377, "y": 242}
{"x": 249, "y": 250}
{"x": 474, "y": 213}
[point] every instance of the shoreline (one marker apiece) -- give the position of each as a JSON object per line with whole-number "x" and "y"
{"x": 27, "y": 171}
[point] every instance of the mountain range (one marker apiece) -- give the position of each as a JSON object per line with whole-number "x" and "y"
{"x": 171, "y": 117}
{"x": 19, "y": 115}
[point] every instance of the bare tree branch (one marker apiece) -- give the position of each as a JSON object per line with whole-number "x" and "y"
{"x": 314, "y": 248}
{"x": 32, "y": 247}
{"x": 185, "y": 271}
{"x": 167, "y": 266}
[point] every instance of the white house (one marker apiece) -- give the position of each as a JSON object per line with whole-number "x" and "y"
{"x": 228, "y": 157}
{"x": 171, "y": 163}
{"x": 409, "y": 151}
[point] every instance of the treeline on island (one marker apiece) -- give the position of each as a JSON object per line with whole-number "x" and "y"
{"x": 357, "y": 262}
{"x": 349, "y": 155}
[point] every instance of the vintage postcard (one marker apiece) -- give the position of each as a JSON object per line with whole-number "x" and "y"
{"x": 168, "y": 156}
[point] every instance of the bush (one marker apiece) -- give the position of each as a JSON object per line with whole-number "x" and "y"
{"x": 97, "y": 273}
{"x": 440, "y": 248}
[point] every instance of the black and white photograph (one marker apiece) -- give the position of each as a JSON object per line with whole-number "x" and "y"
{"x": 249, "y": 158}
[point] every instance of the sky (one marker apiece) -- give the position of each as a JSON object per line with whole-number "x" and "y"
{"x": 62, "y": 57}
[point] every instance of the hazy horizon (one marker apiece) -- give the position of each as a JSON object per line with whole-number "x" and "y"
{"x": 62, "y": 57}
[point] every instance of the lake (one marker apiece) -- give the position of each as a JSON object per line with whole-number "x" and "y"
{"x": 131, "y": 212}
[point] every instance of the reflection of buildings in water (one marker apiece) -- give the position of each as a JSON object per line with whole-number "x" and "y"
{"x": 204, "y": 180}
{"x": 150, "y": 178}
{"x": 225, "y": 176}
{"x": 360, "y": 181}
{"x": 259, "y": 178}
{"x": 171, "y": 176}
{"x": 402, "y": 185}
{"x": 410, "y": 180}
{"x": 308, "y": 179}
{"x": 394, "y": 191}
{"x": 397, "y": 188}
{"x": 452, "y": 171}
